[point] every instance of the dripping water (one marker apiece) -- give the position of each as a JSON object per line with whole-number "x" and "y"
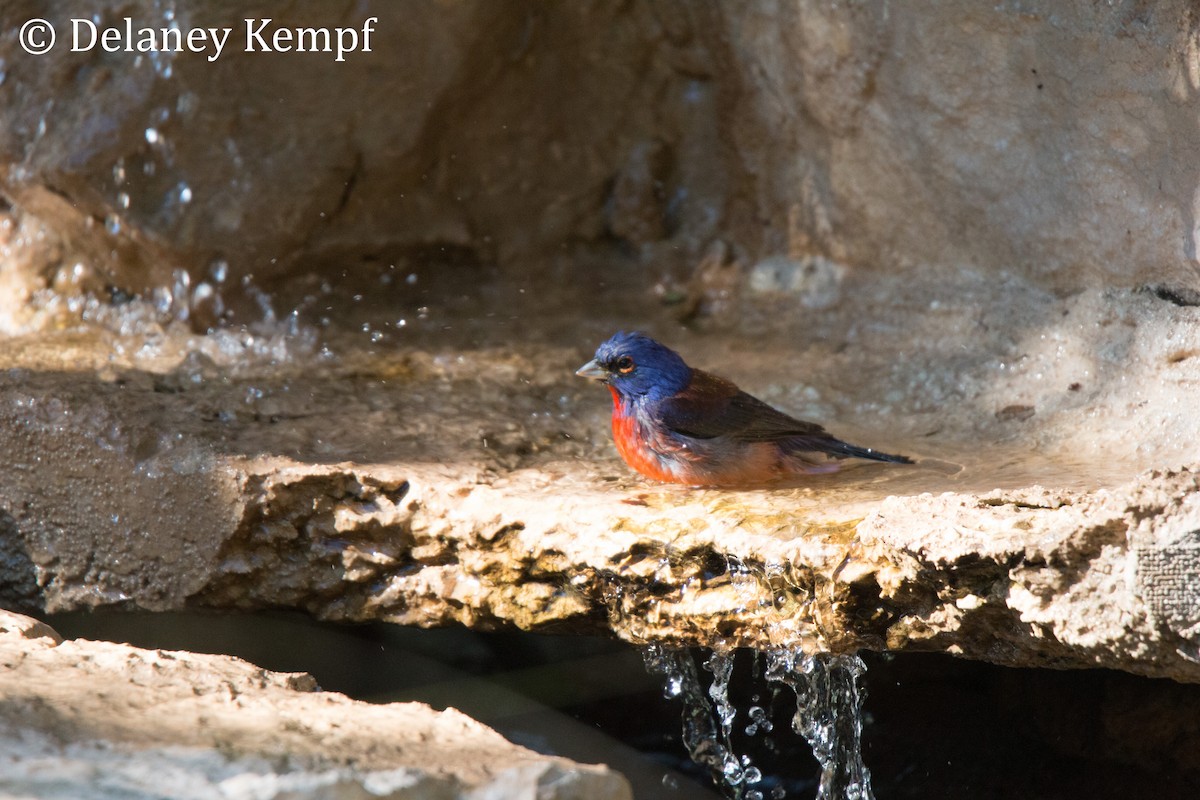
{"x": 828, "y": 714}
{"x": 706, "y": 737}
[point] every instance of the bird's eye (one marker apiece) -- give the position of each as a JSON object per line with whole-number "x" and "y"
{"x": 624, "y": 365}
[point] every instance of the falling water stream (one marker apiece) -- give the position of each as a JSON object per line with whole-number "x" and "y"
{"x": 828, "y": 715}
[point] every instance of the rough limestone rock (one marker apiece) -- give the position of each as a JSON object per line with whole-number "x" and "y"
{"x": 103, "y": 720}
{"x": 487, "y": 129}
{"x": 1047, "y": 141}
{"x": 479, "y": 486}
{"x": 1041, "y": 139}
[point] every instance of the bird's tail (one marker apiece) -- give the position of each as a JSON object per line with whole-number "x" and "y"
{"x": 839, "y": 449}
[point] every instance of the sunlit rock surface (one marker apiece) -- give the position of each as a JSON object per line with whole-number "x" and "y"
{"x": 95, "y": 719}
{"x": 425, "y": 478}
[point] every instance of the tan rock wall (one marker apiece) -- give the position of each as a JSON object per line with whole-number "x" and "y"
{"x": 1055, "y": 142}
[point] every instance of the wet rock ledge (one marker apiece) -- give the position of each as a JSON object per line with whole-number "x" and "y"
{"x": 220, "y": 507}
{"x": 184, "y": 724}
{"x": 1028, "y": 578}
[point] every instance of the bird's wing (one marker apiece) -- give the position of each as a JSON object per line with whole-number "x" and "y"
{"x": 712, "y": 406}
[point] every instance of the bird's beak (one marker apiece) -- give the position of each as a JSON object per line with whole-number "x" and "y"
{"x": 592, "y": 370}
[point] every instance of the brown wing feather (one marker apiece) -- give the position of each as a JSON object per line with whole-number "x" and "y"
{"x": 712, "y": 406}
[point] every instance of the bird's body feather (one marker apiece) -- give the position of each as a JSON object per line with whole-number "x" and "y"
{"x": 674, "y": 423}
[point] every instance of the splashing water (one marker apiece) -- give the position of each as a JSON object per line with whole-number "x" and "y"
{"x": 707, "y": 741}
{"x": 828, "y": 715}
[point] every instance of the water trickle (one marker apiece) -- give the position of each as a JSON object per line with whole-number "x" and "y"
{"x": 828, "y": 715}
{"x": 707, "y": 740}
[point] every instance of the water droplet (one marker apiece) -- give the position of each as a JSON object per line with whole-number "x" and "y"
{"x": 185, "y": 193}
{"x": 187, "y": 103}
{"x": 123, "y": 199}
{"x": 112, "y": 224}
{"x": 152, "y": 135}
{"x": 759, "y": 720}
{"x": 182, "y": 281}
{"x": 161, "y": 297}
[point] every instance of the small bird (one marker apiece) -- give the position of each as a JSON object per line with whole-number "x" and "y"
{"x": 678, "y": 424}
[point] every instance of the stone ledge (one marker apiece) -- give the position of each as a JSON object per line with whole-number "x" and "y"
{"x": 1025, "y": 578}
{"x": 82, "y": 717}
{"x": 483, "y": 492}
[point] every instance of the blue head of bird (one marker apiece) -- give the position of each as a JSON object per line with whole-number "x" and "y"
{"x": 638, "y": 367}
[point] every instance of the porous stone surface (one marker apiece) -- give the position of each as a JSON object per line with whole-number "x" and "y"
{"x": 82, "y": 718}
{"x": 475, "y": 485}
